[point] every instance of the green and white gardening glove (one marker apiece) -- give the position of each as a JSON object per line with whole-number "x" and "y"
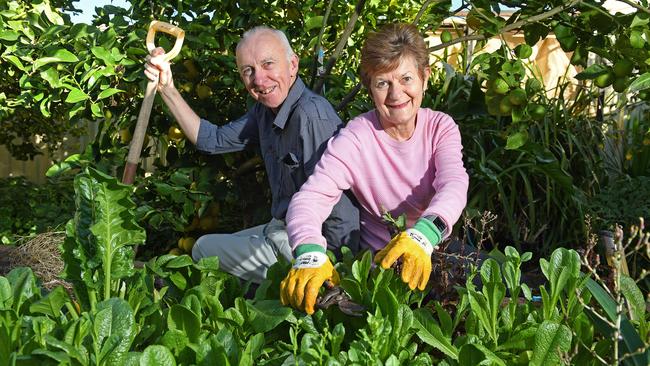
{"x": 414, "y": 246}
{"x": 310, "y": 270}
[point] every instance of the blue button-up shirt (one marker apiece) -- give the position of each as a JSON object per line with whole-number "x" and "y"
{"x": 291, "y": 143}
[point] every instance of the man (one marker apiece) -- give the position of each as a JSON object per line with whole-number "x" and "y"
{"x": 289, "y": 123}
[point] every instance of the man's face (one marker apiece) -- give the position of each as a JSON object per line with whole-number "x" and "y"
{"x": 266, "y": 70}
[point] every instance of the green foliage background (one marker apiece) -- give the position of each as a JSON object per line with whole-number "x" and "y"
{"x": 537, "y": 165}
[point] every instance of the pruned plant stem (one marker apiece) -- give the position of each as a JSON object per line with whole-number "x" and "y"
{"x": 508, "y": 28}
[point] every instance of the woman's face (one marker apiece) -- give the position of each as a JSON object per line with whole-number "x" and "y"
{"x": 397, "y": 94}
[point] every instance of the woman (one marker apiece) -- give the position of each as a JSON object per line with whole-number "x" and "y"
{"x": 398, "y": 158}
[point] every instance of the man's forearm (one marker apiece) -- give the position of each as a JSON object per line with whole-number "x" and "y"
{"x": 184, "y": 115}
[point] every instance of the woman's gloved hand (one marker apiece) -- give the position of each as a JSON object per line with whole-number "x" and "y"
{"x": 414, "y": 246}
{"x": 310, "y": 270}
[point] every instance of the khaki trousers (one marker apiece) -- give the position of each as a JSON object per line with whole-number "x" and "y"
{"x": 249, "y": 253}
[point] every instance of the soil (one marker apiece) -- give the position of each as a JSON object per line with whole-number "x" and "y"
{"x": 5, "y": 254}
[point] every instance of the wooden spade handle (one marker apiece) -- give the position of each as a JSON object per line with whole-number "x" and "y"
{"x": 150, "y": 93}
{"x": 157, "y": 26}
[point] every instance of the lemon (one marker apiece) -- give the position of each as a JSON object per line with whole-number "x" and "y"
{"x": 125, "y": 135}
{"x": 175, "y": 134}
{"x": 445, "y": 36}
{"x": 505, "y": 107}
{"x": 517, "y": 97}
{"x": 492, "y": 103}
{"x": 604, "y": 80}
{"x": 175, "y": 251}
{"x": 203, "y": 91}
{"x": 533, "y": 85}
{"x": 620, "y": 84}
{"x": 192, "y": 72}
{"x": 500, "y": 86}
{"x": 523, "y": 51}
{"x": 186, "y": 244}
{"x": 623, "y": 67}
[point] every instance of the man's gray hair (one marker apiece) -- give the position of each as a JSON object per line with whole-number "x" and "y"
{"x": 263, "y": 28}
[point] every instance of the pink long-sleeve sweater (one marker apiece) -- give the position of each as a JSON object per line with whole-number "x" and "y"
{"x": 419, "y": 177}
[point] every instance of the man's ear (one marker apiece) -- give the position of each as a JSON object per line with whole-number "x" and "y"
{"x": 293, "y": 65}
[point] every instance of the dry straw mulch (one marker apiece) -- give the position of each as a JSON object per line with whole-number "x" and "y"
{"x": 41, "y": 253}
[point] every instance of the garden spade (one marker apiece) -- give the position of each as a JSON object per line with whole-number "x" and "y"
{"x": 150, "y": 93}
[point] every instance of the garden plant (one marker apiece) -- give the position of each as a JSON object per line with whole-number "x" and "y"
{"x": 549, "y": 167}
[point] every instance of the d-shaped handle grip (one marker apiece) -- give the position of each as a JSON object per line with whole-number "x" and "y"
{"x": 158, "y": 26}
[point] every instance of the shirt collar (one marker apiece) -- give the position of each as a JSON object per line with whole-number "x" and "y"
{"x": 295, "y": 92}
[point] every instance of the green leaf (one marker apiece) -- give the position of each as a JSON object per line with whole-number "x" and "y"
{"x": 50, "y": 12}
{"x": 640, "y": 20}
{"x": 266, "y": 315}
{"x": 184, "y": 319}
{"x": 314, "y": 22}
{"x": 23, "y": 285}
{"x": 52, "y": 77}
{"x": 15, "y": 61}
{"x": 108, "y": 92}
{"x": 9, "y": 35}
{"x": 61, "y": 55}
{"x": 566, "y": 36}
{"x": 72, "y": 161}
{"x": 387, "y": 302}
{"x": 252, "y": 350}
{"x": 631, "y": 341}
{"x": 212, "y": 352}
{"x": 516, "y": 140}
{"x": 520, "y": 340}
{"x": 480, "y": 308}
{"x": 490, "y": 271}
{"x": 157, "y": 355}
{"x": 592, "y": 72}
{"x": 80, "y": 353}
{"x": 551, "y": 340}
{"x": 634, "y": 298}
{"x": 640, "y": 83}
{"x": 431, "y": 334}
{"x": 636, "y": 39}
{"x": 6, "y": 297}
{"x": 96, "y": 110}
{"x": 76, "y": 95}
{"x": 104, "y": 55}
{"x": 51, "y": 304}
{"x": 113, "y": 330}
{"x": 175, "y": 339}
{"x": 489, "y": 355}
{"x": 470, "y": 355}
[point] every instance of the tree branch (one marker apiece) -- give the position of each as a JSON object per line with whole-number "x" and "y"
{"x": 635, "y": 5}
{"x": 340, "y": 46}
{"x": 423, "y": 8}
{"x": 508, "y": 28}
{"x": 318, "y": 49}
{"x": 348, "y": 98}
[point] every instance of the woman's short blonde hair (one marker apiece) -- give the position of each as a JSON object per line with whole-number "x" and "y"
{"x": 384, "y": 50}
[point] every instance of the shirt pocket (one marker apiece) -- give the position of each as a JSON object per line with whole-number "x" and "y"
{"x": 292, "y": 173}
